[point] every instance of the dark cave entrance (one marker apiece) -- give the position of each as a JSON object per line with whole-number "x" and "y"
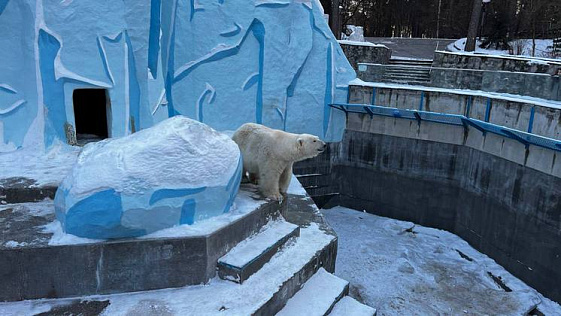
{"x": 91, "y": 114}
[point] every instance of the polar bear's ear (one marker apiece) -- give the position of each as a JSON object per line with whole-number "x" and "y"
{"x": 300, "y": 141}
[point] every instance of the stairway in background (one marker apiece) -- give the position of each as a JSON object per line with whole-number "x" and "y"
{"x": 408, "y": 71}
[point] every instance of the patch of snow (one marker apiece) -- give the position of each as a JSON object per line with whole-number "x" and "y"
{"x": 543, "y": 48}
{"x": 14, "y": 244}
{"x": 251, "y": 248}
{"x": 348, "y": 306}
{"x": 59, "y": 237}
{"x": 295, "y": 187}
{"x": 316, "y": 296}
{"x": 41, "y": 208}
{"x": 348, "y": 42}
{"x": 219, "y": 297}
{"x": 409, "y": 58}
{"x": 406, "y": 269}
{"x": 46, "y": 168}
{"x": 195, "y": 156}
{"x": 356, "y": 33}
{"x": 495, "y": 95}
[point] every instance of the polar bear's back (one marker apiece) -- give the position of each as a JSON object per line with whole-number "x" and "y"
{"x": 258, "y": 143}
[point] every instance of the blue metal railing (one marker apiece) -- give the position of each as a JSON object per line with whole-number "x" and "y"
{"x": 525, "y": 138}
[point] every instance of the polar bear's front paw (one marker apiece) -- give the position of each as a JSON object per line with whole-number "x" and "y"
{"x": 275, "y": 197}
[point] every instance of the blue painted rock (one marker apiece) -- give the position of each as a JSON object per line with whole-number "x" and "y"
{"x": 177, "y": 172}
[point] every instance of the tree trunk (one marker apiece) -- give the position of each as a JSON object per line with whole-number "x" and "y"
{"x": 335, "y": 19}
{"x": 473, "y": 25}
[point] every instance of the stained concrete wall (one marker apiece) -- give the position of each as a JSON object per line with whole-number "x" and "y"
{"x": 504, "y": 112}
{"x": 539, "y": 85}
{"x": 500, "y": 63}
{"x": 503, "y": 198}
{"x": 368, "y": 53}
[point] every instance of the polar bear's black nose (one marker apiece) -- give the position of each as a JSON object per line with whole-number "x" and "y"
{"x": 324, "y": 145}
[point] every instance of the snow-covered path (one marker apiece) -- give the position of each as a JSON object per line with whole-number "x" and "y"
{"x": 405, "y": 269}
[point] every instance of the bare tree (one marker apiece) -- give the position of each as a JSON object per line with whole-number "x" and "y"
{"x": 473, "y": 25}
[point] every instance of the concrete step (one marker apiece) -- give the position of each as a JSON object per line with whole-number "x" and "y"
{"x": 406, "y": 75}
{"x": 251, "y": 254}
{"x": 348, "y": 306}
{"x": 411, "y": 62}
{"x": 264, "y": 294}
{"x": 317, "y": 297}
{"x": 410, "y": 82}
{"x": 405, "y": 78}
{"x": 407, "y": 68}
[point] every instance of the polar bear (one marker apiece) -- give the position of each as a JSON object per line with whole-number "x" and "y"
{"x": 268, "y": 155}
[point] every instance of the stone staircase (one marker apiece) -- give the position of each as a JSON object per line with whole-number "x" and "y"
{"x": 405, "y": 71}
{"x": 271, "y": 258}
{"x": 324, "y": 294}
{"x": 251, "y": 254}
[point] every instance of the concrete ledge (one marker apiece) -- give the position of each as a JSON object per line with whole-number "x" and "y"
{"x": 21, "y": 190}
{"x": 36, "y": 269}
{"x": 367, "y": 53}
{"x": 503, "y": 110}
{"x": 489, "y": 62}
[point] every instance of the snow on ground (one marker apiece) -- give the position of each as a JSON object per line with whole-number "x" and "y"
{"x": 404, "y": 269}
{"x": 349, "y": 42}
{"x": 46, "y": 168}
{"x": 216, "y": 298}
{"x": 524, "y": 46}
{"x": 409, "y": 58}
{"x": 246, "y": 201}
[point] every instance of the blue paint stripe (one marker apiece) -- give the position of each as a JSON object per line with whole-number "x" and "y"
{"x": 188, "y": 211}
{"x": 251, "y": 81}
{"x": 373, "y": 101}
{"x": 531, "y": 123}
{"x": 3, "y": 4}
{"x": 134, "y": 86}
{"x": 169, "y": 77}
{"x": 154, "y": 37}
{"x": 173, "y": 193}
{"x": 468, "y": 107}
{"x": 328, "y": 89}
{"x": 232, "y": 32}
{"x": 259, "y": 33}
{"x": 422, "y": 100}
{"x": 104, "y": 60}
{"x": 488, "y": 110}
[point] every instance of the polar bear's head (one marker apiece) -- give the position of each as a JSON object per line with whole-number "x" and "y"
{"x": 309, "y": 146}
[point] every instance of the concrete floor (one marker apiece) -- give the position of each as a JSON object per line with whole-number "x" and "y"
{"x": 405, "y": 269}
{"x": 422, "y": 48}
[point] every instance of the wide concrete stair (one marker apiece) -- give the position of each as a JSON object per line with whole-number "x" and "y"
{"x": 324, "y": 294}
{"x": 251, "y": 254}
{"x": 407, "y": 71}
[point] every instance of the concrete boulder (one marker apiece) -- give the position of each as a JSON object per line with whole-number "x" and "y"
{"x": 178, "y": 172}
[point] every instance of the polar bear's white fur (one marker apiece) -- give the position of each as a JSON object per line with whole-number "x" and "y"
{"x": 268, "y": 155}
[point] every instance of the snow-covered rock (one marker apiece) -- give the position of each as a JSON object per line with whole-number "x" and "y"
{"x": 178, "y": 172}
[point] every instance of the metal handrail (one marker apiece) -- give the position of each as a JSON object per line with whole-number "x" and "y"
{"x": 451, "y": 119}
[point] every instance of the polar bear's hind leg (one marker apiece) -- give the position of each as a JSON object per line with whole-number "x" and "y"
{"x": 269, "y": 183}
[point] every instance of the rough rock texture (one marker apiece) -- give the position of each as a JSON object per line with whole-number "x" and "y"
{"x": 177, "y": 172}
{"x": 223, "y": 63}
{"x": 366, "y": 52}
